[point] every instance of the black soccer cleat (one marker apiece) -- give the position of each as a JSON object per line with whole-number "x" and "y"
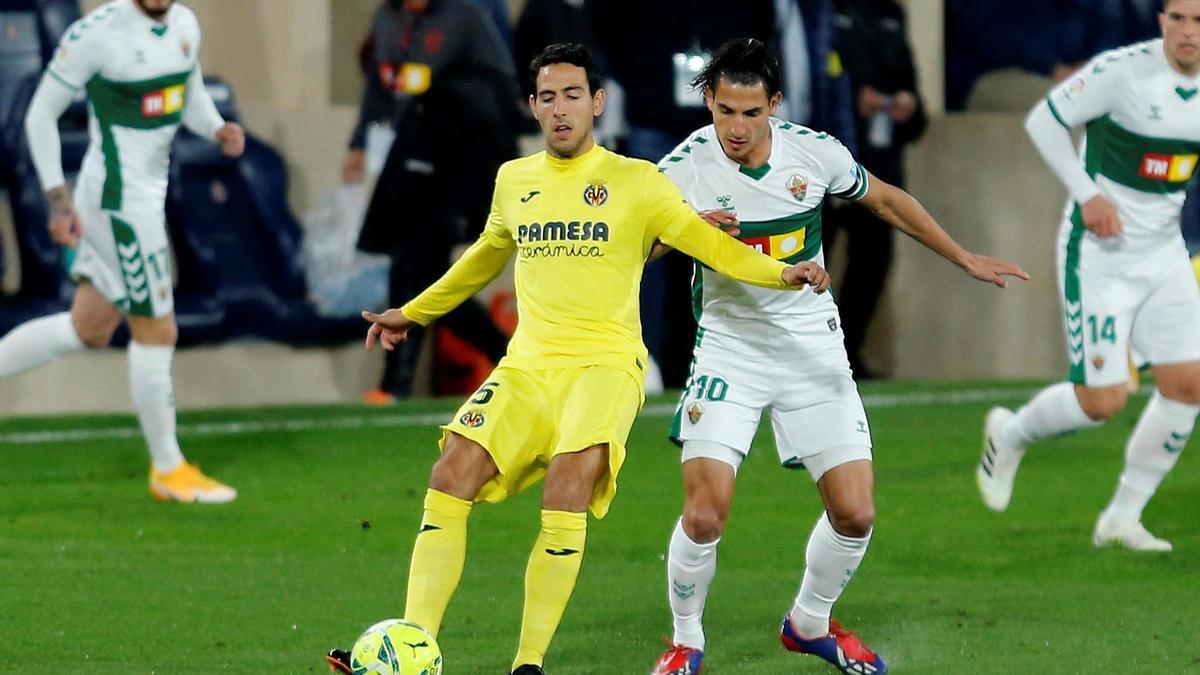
{"x": 339, "y": 661}
{"x": 529, "y": 669}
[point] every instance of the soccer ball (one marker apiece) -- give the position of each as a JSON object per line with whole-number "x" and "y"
{"x": 396, "y": 647}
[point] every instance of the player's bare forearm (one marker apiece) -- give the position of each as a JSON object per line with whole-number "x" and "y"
{"x": 903, "y": 212}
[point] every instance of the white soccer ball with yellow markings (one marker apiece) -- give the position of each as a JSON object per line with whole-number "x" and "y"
{"x": 396, "y": 647}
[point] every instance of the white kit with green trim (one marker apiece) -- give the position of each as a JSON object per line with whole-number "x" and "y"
{"x": 779, "y": 207}
{"x": 137, "y": 74}
{"x": 1142, "y": 143}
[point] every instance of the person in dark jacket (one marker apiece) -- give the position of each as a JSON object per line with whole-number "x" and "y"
{"x": 439, "y": 73}
{"x": 889, "y": 115}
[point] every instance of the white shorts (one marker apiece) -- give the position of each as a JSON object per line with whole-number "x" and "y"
{"x": 816, "y": 412}
{"x": 1151, "y": 307}
{"x": 126, "y": 256}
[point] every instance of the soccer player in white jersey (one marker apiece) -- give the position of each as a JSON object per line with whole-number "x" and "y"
{"x": 766, "y": 180}
{"x": 1123, "y": 268}
{"x": 137, "y": 62}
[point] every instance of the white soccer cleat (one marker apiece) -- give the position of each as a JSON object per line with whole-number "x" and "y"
{"x": 1133, "y": 536}
{"x": 998, "y": 467}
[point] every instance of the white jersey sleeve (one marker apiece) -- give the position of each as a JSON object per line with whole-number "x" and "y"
{"x": 1091, "y": 92}
{"x": 679, "y": 167}
{"x": 847, "y": 178}
{"x": 81, "y": 51}
{"x": 49, "y": 102}
{"x": 199, "y": 113}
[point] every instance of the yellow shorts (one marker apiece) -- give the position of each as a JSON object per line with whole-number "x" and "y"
{"x": 524, "y": 417}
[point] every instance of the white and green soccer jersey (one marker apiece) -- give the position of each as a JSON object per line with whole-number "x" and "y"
{"x": 779, "y": 206}
{"x": 138, "y": 75}
{"x": 1141, "y": 147}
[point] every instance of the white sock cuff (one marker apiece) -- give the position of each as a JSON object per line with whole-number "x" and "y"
{"x": 843, "y": 542}
{"x": 153, "y": 355}
{"x": 687, "y": 552}
{"x": 1177, "y": 413}
{"x": 1069, "y": 406}
{"x": 65, "y": 332}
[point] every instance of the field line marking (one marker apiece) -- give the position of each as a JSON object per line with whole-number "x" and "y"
{"x": 652, "y": 411}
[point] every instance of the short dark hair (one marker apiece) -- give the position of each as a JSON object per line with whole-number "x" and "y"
{"x": 566, "y": 52}
{"x": 741, "y": 61}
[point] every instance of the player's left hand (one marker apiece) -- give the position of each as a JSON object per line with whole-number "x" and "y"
{"x": 993, "y": 270}
{"x": 809, "y": 273}
{"x": 390, "y": 328}
{"x": 232, "y": 139}
{"x": 727, "y": 221}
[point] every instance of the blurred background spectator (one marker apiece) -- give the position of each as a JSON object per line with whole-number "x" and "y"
{"x": 1047, "y": 37}
{"x": 873, "y": 42}
{"x": 438, "y": 73}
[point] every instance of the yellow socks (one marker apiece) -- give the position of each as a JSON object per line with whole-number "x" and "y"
{"x": 549, "y": 580}
{"x": 437, "y": 559}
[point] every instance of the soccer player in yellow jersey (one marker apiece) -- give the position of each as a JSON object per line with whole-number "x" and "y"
{"x": 581, "y": 221}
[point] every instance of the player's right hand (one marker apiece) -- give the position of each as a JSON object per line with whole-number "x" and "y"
{"x": 354, "y": 166}
{"x": 390, "y": 328}
{"x": 64, "y": 223}
{"x": 807, "y": 273}
{"x": 1100, "y": 217}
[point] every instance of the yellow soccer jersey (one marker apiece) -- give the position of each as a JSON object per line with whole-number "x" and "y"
{"x": 581, "y": 230}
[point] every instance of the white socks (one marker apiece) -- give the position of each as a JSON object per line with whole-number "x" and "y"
{"x": 1153, "y": 448}
{"x": 831, "y": 559}
{"x": 690, "y": 571}
{"x": 1054, "y": 410}
{"x": 38, "y": 342}
{"x": 154, "y": 401}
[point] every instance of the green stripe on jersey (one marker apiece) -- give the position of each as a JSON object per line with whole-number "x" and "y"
{"x": 1144, "y": 163}
{"x": 775, "y": 237}
{"x": 144, "y": 104}
{"x": 1072, "y": 301}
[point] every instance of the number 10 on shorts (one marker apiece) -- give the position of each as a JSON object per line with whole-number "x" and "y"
{"x": 710, "y": 388}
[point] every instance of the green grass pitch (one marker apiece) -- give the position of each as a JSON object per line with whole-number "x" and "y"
{"x": 96, "y": 577}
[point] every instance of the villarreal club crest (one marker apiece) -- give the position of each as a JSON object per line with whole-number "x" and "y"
{"x": 596, "y": 193}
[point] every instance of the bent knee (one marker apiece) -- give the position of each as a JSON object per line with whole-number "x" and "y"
{"x": 1102, "y": 403}
{"x": 463, "y": 468}
{"x": 705, "y": 525}
{"x": 96, "y": 334}
{"x": 855, "y": 521}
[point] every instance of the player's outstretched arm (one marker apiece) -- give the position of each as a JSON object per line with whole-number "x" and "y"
{"x": 727, "y": 221}
{"x": 389, "y": 329}
{"x": 481, "y": 263}
{"x": 49, "y": 102}
{"x": 739, "y": 262}
{"x": 903, "y": 212}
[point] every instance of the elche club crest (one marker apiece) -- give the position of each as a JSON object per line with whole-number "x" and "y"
{"x": 596, "y": 193}
{"x": 798, "y": 186}
{"x": 694, "y": 412}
